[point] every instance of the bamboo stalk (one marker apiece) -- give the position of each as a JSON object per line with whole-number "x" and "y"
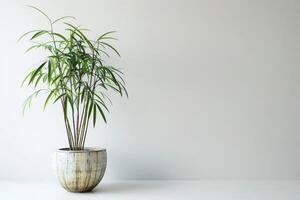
{"x": 82, "y": 126}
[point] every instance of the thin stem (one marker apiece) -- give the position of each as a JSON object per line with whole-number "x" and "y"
{"x": 81, "y": 126}
{"x": 85, "y": 131}
{"x": 69, "y": 132}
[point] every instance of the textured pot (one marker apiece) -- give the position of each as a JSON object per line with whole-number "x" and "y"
{"x": 80, "y": 171}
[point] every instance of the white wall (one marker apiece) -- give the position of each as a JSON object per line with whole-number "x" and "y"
{"x": 214, "y": 89}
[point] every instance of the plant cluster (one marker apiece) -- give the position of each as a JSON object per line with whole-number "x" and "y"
{"x": 75, "y": 75}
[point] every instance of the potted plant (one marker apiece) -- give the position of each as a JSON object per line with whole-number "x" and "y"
{"x": 75, "y": 75}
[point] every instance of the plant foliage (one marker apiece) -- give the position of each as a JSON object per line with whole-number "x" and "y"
{"x": 75, "y": 75}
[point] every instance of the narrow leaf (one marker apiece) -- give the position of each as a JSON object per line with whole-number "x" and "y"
{"x": 48, "y": 98}
{"x": 59, "y": 97}
{"x": 38, "y": 80}
{"x": 22, "y": 36}
{"x": 60, "y": 36}
{"x": 32, "y": 47}
{"x": 103, "y": 35}
{"x": 111, "y": 47}
{"x": 61, "y": 18}
{"x": 40, "y": 11}
{"x": 102, "y": 113}
{"x": 27, "y": 76}
{"x": 42, "y": 32}
{"x": 49, "y": 71}
{"x": 36, "y": 72}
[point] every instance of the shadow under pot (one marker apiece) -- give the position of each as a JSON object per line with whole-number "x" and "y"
{"x": 80, "y": 170}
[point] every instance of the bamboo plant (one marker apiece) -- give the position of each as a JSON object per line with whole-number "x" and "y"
{"x": 75, "y": 75}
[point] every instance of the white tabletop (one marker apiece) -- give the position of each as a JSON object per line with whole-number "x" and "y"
{"x": 161, "y": 190}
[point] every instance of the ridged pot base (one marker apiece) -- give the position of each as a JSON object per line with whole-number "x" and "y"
{"x": 80, "y": 171}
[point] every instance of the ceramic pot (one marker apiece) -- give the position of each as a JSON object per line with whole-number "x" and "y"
{"x": 79, "y": 171}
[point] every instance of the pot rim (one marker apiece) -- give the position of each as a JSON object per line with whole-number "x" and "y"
{"x": 85, "y": 150}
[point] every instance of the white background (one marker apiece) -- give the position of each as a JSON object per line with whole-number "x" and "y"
{"x": 214, "y": 89}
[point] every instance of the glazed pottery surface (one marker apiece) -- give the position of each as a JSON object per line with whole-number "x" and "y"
{"x": 79, "y": 171}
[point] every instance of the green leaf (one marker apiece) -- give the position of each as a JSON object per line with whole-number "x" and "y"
{"x": 114, "y": 69}
{"x": 125, "y": 90}
{"x": 77, "y": 30}
{"x": 114, "y": 88}
{"x": 115, "y": 81}
{"x": 36, "y": 72}
{"x": 22, "y": 36}
{"x": 40, "y": 11}
{"x": 60, "y": 36}
{"x": 49, "y": 71}
{"x": 42, "y": 32}
{"x": 27, "y": 76}
{"x": 32, "y": 47}
{"x": 38, "y": 80}
{"x": 111, "y": 47}
{"x": 102, "y": 113}
{"x": 104, "y": 53}
{"x": 59, "y": 97}
{"x": 109, "y": 38}
{"x": 61, "y": 18}
{"x": 103, "y": 104}
{"x": 28, "y": 100}
{"x": 106, "y": 97}
{"x": 48, "y": 98}
{"x": 120, "y": 77}
{"x": 103, "y": 35}
{"x": 79, "y": 33}
{"x": 58, "y": 77}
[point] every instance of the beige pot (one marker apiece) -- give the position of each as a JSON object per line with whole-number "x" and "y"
{"x": 79, "y": 171}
